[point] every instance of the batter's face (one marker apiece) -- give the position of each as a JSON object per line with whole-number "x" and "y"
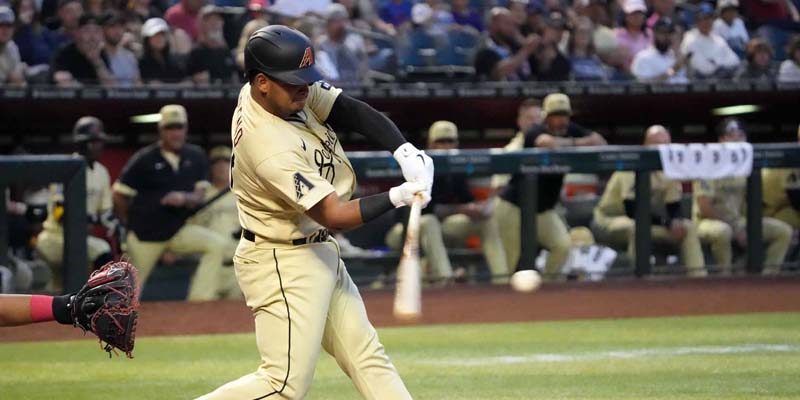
{"x": 280, "y": 98}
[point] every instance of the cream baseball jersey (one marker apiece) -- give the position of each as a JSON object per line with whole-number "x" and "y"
{"x": 280, "y": 168}
{"x": 98, "y": 196}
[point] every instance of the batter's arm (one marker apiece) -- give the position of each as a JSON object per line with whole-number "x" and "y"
{"x": 351, "y": 114}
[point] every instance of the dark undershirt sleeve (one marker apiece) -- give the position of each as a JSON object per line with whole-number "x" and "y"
{"x": 351, "y": 114}
{"x": 794, "y": 198}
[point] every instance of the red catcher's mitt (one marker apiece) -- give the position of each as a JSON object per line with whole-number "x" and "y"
{"x": 107, "y": 306}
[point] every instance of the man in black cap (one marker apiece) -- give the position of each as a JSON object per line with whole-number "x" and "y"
{"x": 548, "y": 63}
{"x": 211, "y": 60}
{"x": 122, "y": 62}
{"x": 83, "y": 61}
{"x": 293, "y": 183}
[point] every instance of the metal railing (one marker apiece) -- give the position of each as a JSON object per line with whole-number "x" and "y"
{"x": 533, "y": 162}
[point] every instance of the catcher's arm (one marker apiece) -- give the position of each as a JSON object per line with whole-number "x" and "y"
{"x": 17, "y": 309}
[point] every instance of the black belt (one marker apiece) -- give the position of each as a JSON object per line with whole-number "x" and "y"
{"x": 316, "y": 237}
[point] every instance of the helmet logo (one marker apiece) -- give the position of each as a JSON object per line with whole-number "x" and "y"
{"x": 308, "y": 58}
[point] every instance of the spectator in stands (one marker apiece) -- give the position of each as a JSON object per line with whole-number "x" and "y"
{"x": 465, "y": 15}
{"x": 220, "y": 215}
{"x": 34, "y": 41}
{"x": 633, "y": 36}
{"x": 557, "y": 131}
{"x": 730, "y": 27}
{"x": 211, "y": 61}
{"x": 94, "y": 7}
{"x": 132, "y": 38}
{"x": 790, "y": 68}
{"x": 122, "y": 63}
{"x": 158, "y": 64}
{"x": 773, "y": 20}
{"x": 88, "y": 137}
{"x": 84, "y": 61}
{"x": 502, "y": 58}
{"x": 759, "y": 64}
{"x": 155, "y": 194}
{"x": 708, "y": 54}
{"x": 719, "y": 212}
{"x": 534, "y": 19}
{"x": 69, "y": 14}
{"x": 145, "y": 9}
{"x": 397, "y": 12}
{"x": 586, "y": 65}
{"x": 248, "y": 30}
{"x": 660, "y": 62}
{"x": 441, "y": 20}
{"x": 604, "y": 39}
{"x": 297, "y": 9}
{"x": 614, "y": 223}
{"x": 782, "y": 193}
{"x": 548, "y": 62}
{"x": 341, "y": 54}
{"x": 665, "y": 8}
{"x": 184, "y": 15}
{"x": 12, "y": 70}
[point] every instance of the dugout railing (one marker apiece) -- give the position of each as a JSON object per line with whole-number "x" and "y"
{"x": 533, "y": 162}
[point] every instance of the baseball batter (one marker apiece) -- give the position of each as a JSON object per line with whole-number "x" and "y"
{"x": 293, "y": 183}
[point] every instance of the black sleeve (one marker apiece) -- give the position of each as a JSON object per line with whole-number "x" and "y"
{"x": 531, "y": 135}
{"x": 630, "y": 208}
{"x": 351, "y": 114}
{"x": 794, "y": 198}
{"x": 575, "y": 130}
{"x": 131, "y": 174}
{"x": 485, "y": 61}
{"x": 197, "y": 62}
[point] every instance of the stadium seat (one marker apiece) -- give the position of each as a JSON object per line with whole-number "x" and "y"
{"x": 462, "y": 44}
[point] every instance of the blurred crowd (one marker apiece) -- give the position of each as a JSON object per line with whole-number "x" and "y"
{"x": 197, "y": 42}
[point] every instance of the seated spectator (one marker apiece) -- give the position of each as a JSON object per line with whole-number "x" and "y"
{"x": 183, "y": 15}
{"x": 83, "y": 61}
{"x": 94, "y": 7}
{"x": 502, "y": 58}
{"x": 790, "y": 68}
{"x": 586, "y": 66}
{"x": 534, "y": 18}
{"x": 12, "y": 70}
{"x": 297, "y": 9}
{"x": 708, "y": 53}
{"x": 442, "y": 18}
{"x": 666, "y": 8}
{"x": 34, "y": 41}
{"x": 773, "y": 20}
{"x": 397, "y": 12}
{"x": 211, "y": 61}
{"x": 633, "y": 36}
{"x": 247, "y": 31}
{"x": 123, "y": 64}
{"x": 548, "y": 62}
{"x": 145, "y": 9}
{"x": 158, "y": 64}
{"x": 463, "y": 14}
{"x": 730, "y": 27}
{"x": 341, "y": 55}
{"x": 604, "y": 39}
{"x": 759, "y": 64}
{"x": 69, "y": 14}
{"x": 659, "y": 62}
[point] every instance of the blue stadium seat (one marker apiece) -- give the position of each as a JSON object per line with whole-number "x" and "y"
{"x": 421, "y": 48}
{"x": 461, "y": 47}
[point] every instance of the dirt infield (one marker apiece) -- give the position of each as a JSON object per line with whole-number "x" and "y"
{"x": 476, "y": 304}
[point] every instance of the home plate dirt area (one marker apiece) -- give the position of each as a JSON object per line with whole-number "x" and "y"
{"x": 486, "y": 304}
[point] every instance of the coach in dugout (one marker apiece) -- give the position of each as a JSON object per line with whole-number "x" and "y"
{"x": 160, "y": 187}
{"x": 557, "y": 131}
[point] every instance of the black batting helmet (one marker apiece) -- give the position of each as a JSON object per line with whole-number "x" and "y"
{"x": 88, "y": 128}
{"x": 281, "y": 53}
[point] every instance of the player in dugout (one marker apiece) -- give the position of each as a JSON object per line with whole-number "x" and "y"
{"x": 613, "y": 217}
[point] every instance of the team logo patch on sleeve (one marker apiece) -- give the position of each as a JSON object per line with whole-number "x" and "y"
{"x": 301, "y": 185}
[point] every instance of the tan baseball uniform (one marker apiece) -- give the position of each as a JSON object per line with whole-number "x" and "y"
{"x": 728, "y": 199}
{"x": 289, "y": 269}
{"x": 50, "y": 242}
{"x": 615, "y": 227}
{"x": 776, "y": 201}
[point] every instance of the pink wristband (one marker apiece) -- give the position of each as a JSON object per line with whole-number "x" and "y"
{"x": 41, "y": 308}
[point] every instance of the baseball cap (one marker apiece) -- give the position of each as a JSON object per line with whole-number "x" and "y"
{"x": 555, "y": 19}
{"x": 153, "y": 26}
{"x": 6, "y": 15}
{"x": 337, "y": 11}
{"x": 110, "y": 18}
{"x": 420, "y": 13}
{"x": 632, "y": 6}
{"x": 704, "y": 10}
{"x": 664, "y": 24}
{"x": 172, "y": 114}
{"x": 723, "y": 4}
{"x": 442, "y": 130}
{"x": 219, "y": 153}
{"x": 88, "y": 128}
{"x": 557, "y": 104}
{"x": 209, "y": 9}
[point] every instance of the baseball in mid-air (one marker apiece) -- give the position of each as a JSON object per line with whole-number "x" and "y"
{"x": 526, "y": 280}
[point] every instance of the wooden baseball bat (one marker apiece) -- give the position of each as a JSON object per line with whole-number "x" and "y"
{"x": 408, "y": 295}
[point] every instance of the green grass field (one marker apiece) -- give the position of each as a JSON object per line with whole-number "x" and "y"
{"x": 754, "y": 356}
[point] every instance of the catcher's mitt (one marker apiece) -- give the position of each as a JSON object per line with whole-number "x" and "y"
{"x": 106, "y": 306}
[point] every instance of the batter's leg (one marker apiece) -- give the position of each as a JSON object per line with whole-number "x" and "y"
{"x": 195, "y": 239}
{"x": 289, "y": 292}
{"x": 144, "y": 255}
{"x": 352, "y": 340}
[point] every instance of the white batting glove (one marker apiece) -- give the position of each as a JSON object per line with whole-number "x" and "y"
{"x": 404, "y": 194}
{"x": 415, "y": 164}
